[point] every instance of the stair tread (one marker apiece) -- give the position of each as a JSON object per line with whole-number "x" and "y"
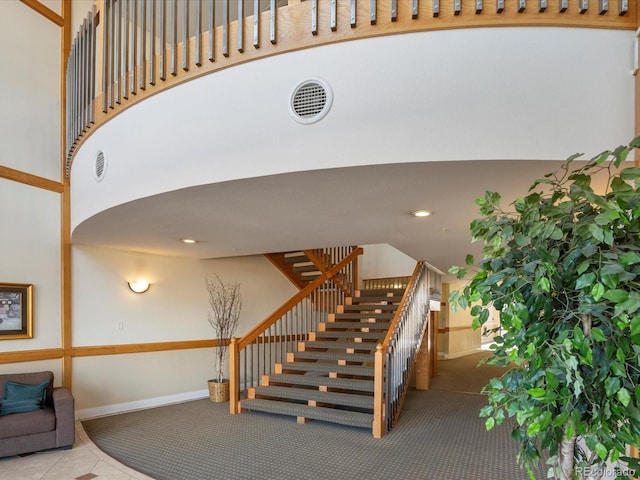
{"x": 373, "y": 300}
{"x": 354, "y": 315}
{"x": 368, "y": 307}
{"x": 343, "y": 417}
{"x": 343, "y": 334}
{"x": 297, "y": 257}
{"x": 369, "y": 325}
{"x": 342, "y": 345}
{"x": 317, "y": 381}
{"x": 345, "y": 399}
{"x": 381, "y": 291}
{"x": 328, "y": 367}
{"x": 349, "y": 357}
{"x": 305, "y": 268}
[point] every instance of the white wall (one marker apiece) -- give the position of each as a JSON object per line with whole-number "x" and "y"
{"x": 384, "y": 261}
{"x": 174, "y": 309}
{"x": 29, "y": 122}
{"x": 30, "y": 80}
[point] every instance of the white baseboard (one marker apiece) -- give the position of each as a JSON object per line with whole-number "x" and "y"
{"x": 448, "y": 356}
{"x": 139, "y": 404}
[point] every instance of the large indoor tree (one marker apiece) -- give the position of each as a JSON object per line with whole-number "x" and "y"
{"x": 561, "y": 265}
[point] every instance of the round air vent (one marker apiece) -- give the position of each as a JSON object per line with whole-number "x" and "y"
{"x": 100, "y": 165}
{"x": 310, "y": 101}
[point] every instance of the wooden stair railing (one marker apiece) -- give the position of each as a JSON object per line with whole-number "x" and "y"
{"x": 305, "y": 266}
{"x": 394, "y": 362}
{"x": 354, "y": 368}
{"x": 267, "y": 342}
{"x": 329, "y": 376}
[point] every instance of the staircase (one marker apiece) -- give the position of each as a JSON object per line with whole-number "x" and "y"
{"x": 296, "y": 266}
{"x": 331, "y": 375}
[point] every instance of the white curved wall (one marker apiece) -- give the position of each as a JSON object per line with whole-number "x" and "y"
{"x": 500, "y": 93}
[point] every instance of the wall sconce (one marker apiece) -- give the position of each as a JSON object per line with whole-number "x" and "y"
{"x": 139, "y": 286}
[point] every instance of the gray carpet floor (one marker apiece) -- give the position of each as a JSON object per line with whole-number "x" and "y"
{"x": 438, "y": 436}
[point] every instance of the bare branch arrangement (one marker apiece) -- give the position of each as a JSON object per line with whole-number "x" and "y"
{"x": 225, "y": 304}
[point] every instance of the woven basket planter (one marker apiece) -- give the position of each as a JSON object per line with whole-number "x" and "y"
{"x": 218, "y": 392}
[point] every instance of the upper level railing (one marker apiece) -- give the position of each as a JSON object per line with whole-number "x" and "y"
{"x": 128, "y": 50}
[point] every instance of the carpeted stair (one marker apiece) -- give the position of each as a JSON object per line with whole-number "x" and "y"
{"x": 330, "y": 376}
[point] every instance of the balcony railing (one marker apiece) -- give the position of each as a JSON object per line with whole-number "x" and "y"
{"x": 128, "y": 50}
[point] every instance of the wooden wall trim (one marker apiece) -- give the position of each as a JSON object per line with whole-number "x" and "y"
{"x": 454, "y": 329}
{"x": 31, "y": 355}
{"x": 100, "y": 350}
{"x": 29, "y": 179}
{"x": 65, "y": 205}
{"x": 45, "y": 11}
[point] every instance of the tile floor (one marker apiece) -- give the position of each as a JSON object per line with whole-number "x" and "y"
{"x": 84, "y": 461}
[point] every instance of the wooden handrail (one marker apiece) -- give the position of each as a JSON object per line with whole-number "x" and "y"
{"x": 403, "y": 301}
{"x": 271, "y": 319}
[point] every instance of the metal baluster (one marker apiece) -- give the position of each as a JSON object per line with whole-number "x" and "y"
{"x": 225, "y": 28}
{"x": 373, "y": 15}
{"x": 584, "y": 6}
{"x": 198, "y": 41}
{"x": 542, "y": 5}
{"x": 112, "y": 58}
{"x": 72, "y": 106}
{"x": 352, "y": 13}
{"x": 272, "y": 22}
{"x": 500, "y": 6}
{"x": 457, "y": 7}
{"x": 163, "y": 40}
{"x": 212, "y": 32}
{"x": 478, "y": 7}
{"x": 394, "y": 10}
{"x": 143, "y": 45}
{"x": 173, "y": 46}
{"x": 105, "y": 53}
{"x": 314, "y": 17}
{"x": 256, "y": 23}
{"x": 185, "y": 36}
{"x": 623, "y": 7}
{"x": 92, "y": 65}
{"x": 604, "y": 7}
{"x": 240, "y": 27}
{"x": 564, "y": 4}
{"x": 152, "y": 43}
{"x": 118, "y": 48}
{"x": 82, "y": 79}
{"x": 334, "y": 15}
{"x": 125, "y": 81}
{"x": 134, "y": 52}
{"x": 522, "y": 5}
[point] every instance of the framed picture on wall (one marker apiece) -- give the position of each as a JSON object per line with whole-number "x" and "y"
{"x": 16, "y": 311}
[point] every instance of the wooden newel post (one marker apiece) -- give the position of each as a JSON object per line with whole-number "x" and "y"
{"x": 234, "y": 380}
{"x": 378, "y": 393}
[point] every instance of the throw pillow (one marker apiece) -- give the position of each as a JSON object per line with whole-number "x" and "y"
{"x": 8, "y": 407}
{"x": 20, "y": 391}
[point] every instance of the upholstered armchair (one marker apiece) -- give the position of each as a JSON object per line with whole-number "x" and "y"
{"x": 30, "y": 424}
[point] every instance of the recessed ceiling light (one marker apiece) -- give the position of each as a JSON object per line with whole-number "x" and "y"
{"x": 189, "y": 240}
{"x": 421, "y": 213}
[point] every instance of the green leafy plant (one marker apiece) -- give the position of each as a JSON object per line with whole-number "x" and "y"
{"x": 562, "y": 267}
